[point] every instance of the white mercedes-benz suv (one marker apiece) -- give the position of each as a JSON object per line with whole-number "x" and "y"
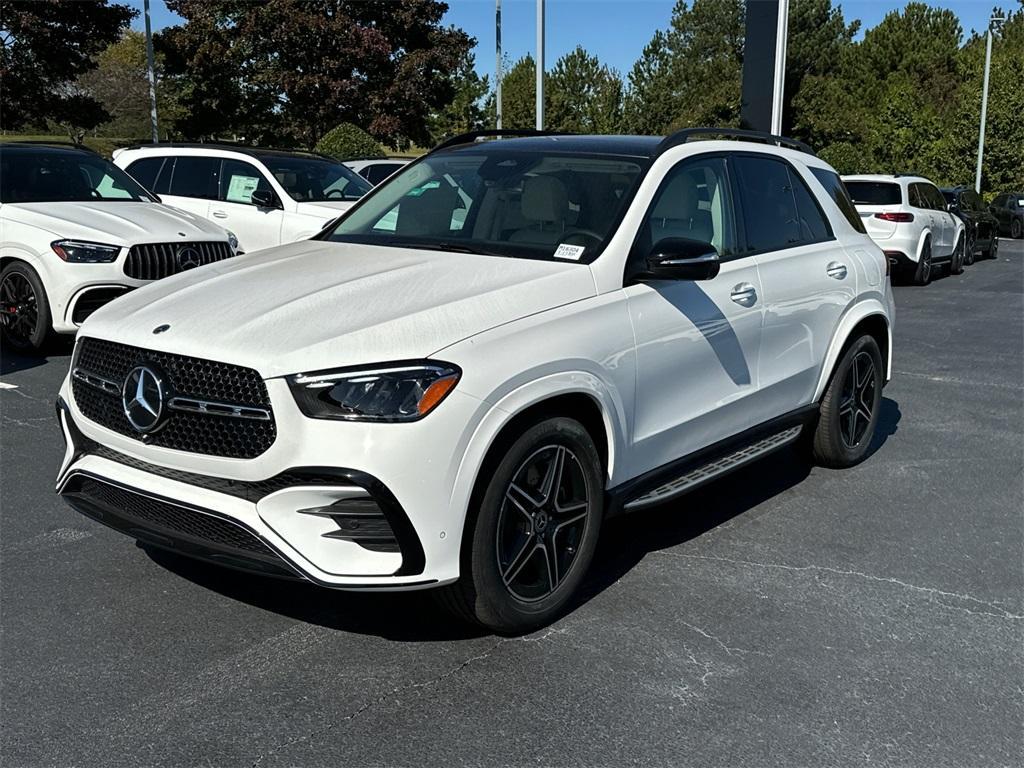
{"x": 498, "y": 347}
{"x": 910, "y": 220}
{"x": 77, "y": 232}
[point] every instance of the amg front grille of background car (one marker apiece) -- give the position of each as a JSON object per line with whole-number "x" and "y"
{"x": 152, "y": 261}
{"x": 187, "y": 377}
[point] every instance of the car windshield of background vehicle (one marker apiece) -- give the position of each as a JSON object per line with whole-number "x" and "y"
{"x": 530, "y": 205}
{"x": 309, "y": 180}
{"x": 41, "y": 176}
{"x": 874, "y": 192}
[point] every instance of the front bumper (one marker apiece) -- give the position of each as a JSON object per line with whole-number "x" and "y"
{"x": 274, "y": 526}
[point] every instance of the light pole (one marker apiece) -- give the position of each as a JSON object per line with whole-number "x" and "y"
{"x": 994, "y": 21}
{"x": 540, "y": 65}
{"x": 497, "y": 64}
{"x": 779, "y": 80}
{"x": 152, "y": 74}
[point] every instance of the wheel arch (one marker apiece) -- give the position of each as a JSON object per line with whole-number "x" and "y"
{"x": 869, "y": 318}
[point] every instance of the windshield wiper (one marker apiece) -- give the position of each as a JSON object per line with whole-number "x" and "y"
{"x": 448, "y": 247}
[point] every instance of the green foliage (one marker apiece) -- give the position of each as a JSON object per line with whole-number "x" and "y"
{"x": 466, "y": 111}
{"x": 519, "y": 94}
{"x": 586, "y": 96}
{"x": 349, "y": 142}
{"x": 45, "y": 45}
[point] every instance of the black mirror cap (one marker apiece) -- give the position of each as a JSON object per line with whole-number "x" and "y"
{"x": 264, "y": 198}
{"x": 680, "y": 258}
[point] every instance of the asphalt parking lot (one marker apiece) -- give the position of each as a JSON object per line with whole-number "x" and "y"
{"x": 781, "y": 616}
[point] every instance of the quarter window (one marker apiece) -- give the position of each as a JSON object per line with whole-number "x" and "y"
{"x": 837, "y": 191}
{"x": 195, "y": 177}
{"x": 814, "y": 227}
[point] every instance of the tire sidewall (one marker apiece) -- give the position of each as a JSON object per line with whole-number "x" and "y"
{"x": 925, "y": 258}
{"x": 495, "y": 606}
{"x": 41, "y": 332}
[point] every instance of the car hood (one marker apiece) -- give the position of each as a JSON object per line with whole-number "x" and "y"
{"x": 116, "y": 223}
{"x": 312, "y": 305}
{"x": 325, "y": 207}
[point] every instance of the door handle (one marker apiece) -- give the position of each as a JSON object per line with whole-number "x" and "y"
{"x": 219, "y": 215}
{"x": 836, "y": 270}
{"x": 744, "y": 294}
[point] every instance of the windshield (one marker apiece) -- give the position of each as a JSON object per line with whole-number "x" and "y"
{"x": 498, "y": 202}
{"x": 874, "y": 192}
{"x": 308, "y": 179}
{"x": 48, "y": 175}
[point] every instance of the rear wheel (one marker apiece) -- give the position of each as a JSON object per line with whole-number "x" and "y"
{"x": 535, "y": 533}
{"x": 972, "y": 244}
{"x": 992, "y": 252}
{"x": 24, "y": 310}
{"x": 1016, "y": 229}
{"x": 850, "y": 407}
{"x": 956, "y": 261}
{"x": 923, "y": 273}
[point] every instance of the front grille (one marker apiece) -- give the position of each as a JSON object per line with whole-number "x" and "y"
{"x": 153, "y": 261}
{"x": 170, "y": 517}
{"x": 192, "y": 377}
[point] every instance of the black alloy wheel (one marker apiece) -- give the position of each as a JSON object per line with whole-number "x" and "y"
{"x": 857, "y": 401}
{"x": 956, "y": 261}
{"x": 542, "y": 521}
{"x": 1016, "y": 229}
{"x": 972, "y": 243}
{"x": 993, "y": 247}
{"x": 923, "y": 273}
{"x": 20, "y": 313}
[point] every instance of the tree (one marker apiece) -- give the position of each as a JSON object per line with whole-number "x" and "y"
{"x": 45, "y": 45}
{"x": 294, "y": 69}
{"x": 584, "y": 95}
{"x": 467, "y": 110}
{"x": 519, "y": 94}
{"x": 349, "y": 142}
{"x": 121, "y": 85}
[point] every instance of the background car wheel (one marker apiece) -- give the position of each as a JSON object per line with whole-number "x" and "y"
{"x": 923, "y": 273}
{"x": 850, "y": 407}
{"x": 972, "y": 243}
{"x": 1016, "y": 229}
{"x": 535, "y": 531}
{"x": 992, "y": 252}
{"x": 24, "y": 310}
{"x": 956, "y": 262}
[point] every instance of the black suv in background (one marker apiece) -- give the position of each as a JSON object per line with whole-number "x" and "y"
{"x": 1008, "y": 208}
{"x": 981, "y": 227}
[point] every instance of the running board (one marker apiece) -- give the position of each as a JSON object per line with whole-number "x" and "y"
{"x": 714, "y": 468}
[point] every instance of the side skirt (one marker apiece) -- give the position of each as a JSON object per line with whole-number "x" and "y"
{"x": 690, "y": 472}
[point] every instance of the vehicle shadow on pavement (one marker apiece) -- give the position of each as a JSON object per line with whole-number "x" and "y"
{"x": 12, "y": 362}
{"x": 625, "y": 541}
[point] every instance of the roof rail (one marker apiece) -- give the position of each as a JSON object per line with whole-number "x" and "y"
{"x": 683, "y": 136}
{"x": 45, "y": 143}
{"x": 471, "y": 136}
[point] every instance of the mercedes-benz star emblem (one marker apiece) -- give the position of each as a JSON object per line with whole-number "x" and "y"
{"x": 143, "y": 398}
{"x": 188, "y": 258}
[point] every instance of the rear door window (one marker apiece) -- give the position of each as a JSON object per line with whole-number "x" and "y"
{"x": 875, "y": 192}
{"x": 195, "y": 177}
{"x": 837, "y": 191}
{"x": 770, "y": 215}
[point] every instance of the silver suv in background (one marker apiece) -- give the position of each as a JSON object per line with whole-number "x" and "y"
{"x": 909, "y": 219}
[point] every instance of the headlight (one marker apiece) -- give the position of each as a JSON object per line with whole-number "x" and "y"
{"x": 232, "y": 241}
{"x": 77, "y": 252}
{"x": 396, "y": 392}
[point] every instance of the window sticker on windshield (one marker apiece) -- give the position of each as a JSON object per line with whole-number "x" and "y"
{"x": 566, "y": 251}
{"x": 241, "y": 187}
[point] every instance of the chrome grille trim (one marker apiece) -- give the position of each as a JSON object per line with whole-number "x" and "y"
{"x": 191, "y": 405}
{"x": 105, "y": 385}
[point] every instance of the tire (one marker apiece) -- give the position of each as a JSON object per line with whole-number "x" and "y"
{"x": 956, "y": 261}
{"x": 972, "y": 242}
{"x": 923, "y": 273}
{"x": 857, "y": 384}
{"x": 24, "y": 309}
{"x": 506, "y": 582}
{"x": 1016, "y": 229}
{"x": 992, "y": 252}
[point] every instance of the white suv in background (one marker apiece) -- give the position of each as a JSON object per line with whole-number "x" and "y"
{"x": 378, "y": 169}
{"x": 77, "y": 232}
{"x": 910, "y": 220}
{"x": 453, "y": 385}
{"x": 268, "y": 197}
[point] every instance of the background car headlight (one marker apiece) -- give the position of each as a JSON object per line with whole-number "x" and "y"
{"x": 79, "y": 252}
{"x": 395, "y": 392}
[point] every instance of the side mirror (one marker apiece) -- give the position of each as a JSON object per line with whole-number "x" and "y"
{"x": 264, "y": 198}
{"x": 680, "y": 258}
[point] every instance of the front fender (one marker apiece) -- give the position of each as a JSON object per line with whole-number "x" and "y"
{"x": 854, "y": 315}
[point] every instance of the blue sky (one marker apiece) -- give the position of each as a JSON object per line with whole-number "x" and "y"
{"x": 614, "y": 30}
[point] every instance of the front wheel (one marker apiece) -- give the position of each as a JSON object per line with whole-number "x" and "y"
{"x": 1016, "y": 229}
{"x": 850, "y": 407}
{"x": 24, "y": 310}
{"x": 992, "y": 252}
{"x": 972, "y": 244}
{"x": 535, "y": 532}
